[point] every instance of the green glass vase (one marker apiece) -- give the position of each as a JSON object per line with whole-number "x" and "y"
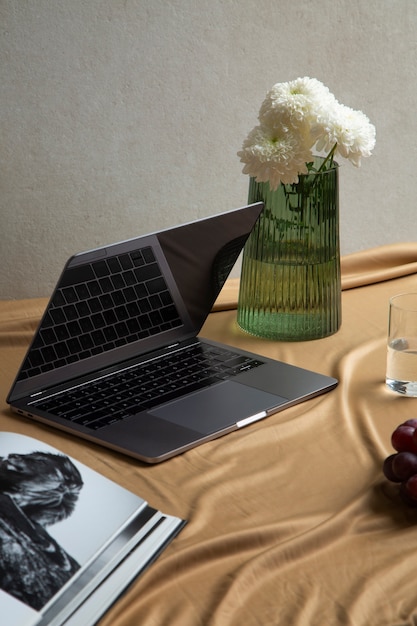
{"x": 290, "y": 280}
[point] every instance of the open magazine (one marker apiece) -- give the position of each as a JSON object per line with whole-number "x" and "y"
{"x": 71, "y": 540}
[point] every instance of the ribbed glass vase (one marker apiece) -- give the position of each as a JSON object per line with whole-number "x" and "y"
{"x": 290, "y": 280}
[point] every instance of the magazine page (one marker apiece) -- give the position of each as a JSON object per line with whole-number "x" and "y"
{"x": 18, "y": 614}
{"x": 55, "y": 515}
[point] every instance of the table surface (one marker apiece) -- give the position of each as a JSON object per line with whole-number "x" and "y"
{"x": 290, "y": 520}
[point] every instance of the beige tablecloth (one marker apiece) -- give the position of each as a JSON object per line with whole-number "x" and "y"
{"x": 290, "y": 519}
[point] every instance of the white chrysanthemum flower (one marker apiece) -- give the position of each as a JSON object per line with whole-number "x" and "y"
{"x": 295, "y": 117}
{"x": 295, "y": 103}
{"x": 351, "y": 130}
{"x": 274, "y": 155}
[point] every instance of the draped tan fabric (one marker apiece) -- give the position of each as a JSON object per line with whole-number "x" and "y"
{"x": 291, "y": 521}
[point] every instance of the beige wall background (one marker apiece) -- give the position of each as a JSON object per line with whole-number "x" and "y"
{"x": 120, "y": 117}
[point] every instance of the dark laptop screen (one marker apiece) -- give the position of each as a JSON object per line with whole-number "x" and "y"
{"x": 132, "y": 297}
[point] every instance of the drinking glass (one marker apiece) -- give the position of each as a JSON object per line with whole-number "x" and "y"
{"x": 401, "y": 374}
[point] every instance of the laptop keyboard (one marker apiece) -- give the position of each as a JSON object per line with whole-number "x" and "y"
{"x": 101, "y": 306}
{"x": 123, "y": 394}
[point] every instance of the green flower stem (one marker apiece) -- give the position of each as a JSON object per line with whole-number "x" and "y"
{"x": 328, "y": 158}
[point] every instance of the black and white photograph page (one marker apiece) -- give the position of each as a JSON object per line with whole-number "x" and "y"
{"x": 61, "y": 525}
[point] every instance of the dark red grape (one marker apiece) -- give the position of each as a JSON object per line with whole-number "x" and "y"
{"x": 402, "y": 439}
{"x": 387, "y": 469}
{"x": 404, "y": 465}
{"x": 406, "y": 497}
{"x": 411, "y": 487}
{"x": 401, "y": 467}
{"x": 411, "y": 422}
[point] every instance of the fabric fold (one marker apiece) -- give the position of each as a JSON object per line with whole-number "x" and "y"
{"x": 378, "y": 264}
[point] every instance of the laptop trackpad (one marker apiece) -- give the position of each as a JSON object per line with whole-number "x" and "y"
{"x": 217, "y": 407}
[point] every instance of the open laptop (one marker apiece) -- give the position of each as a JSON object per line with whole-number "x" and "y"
{"x": 117, "y": 357}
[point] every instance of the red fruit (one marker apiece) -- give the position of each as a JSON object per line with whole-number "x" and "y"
{"x": 406, "y": 497}
{"x": 404, "y": 465}
{"x": 411, "y": 487}
{"x": 388, "y": 469}
{"x": 411, "y": 422}
{"x": 402, "y": 439}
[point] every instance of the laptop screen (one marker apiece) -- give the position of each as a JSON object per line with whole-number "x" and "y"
{"x": 126, "y": 299}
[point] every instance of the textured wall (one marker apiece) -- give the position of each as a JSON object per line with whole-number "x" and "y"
{"x": 119, "y": 117}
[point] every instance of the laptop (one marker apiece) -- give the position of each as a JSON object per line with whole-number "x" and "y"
{"x": 117, "y": 358}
